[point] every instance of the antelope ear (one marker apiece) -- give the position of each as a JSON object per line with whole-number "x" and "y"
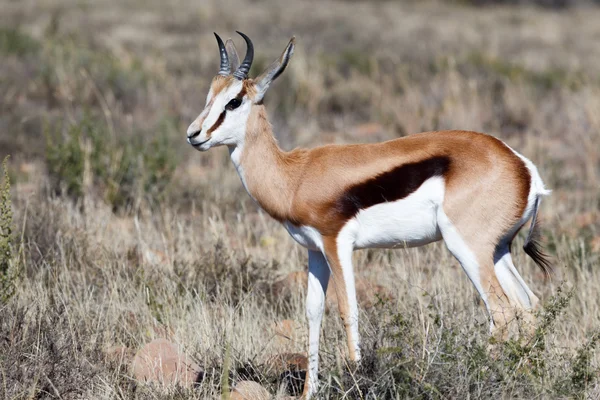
{"x": 263, "y": 81}
{"x": 234, "y": 59}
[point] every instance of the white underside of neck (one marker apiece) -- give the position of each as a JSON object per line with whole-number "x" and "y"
{"x": 235, "y": 152}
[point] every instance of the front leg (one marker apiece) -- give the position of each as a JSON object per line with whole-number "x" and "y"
{"x": 338, "y": 251}
{"x": 318, "y": 278}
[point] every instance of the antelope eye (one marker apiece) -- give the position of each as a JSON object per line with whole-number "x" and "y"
{"x": 233, "y": 104}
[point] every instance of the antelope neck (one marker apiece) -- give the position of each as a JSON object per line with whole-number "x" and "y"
{"x": 269, "y": 174}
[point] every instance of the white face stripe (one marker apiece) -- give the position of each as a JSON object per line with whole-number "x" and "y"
{"x": 203, "y": 114}
{"x": 216, "y": 126}
{"x": 209, "y": 95}
{"x": 218, "y": 104}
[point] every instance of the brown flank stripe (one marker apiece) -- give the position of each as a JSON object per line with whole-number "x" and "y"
{"x": 392, "y": 185}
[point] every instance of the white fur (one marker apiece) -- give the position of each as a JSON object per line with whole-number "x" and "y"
{"x": 511, "y": 281}
{"x": 195, "y": 126}
{"x": 537, "y": 185}
{"x": 307, "y": 236}
{"x": 232, "y": 130}
{"x": 318, "y": 279}
{"x": 219, "y": 103}
{"x": 536, "y": 189}
{"x": 408, "y": 222}
{"x": 411, "y": 221}
{"x": 235, "y": 152}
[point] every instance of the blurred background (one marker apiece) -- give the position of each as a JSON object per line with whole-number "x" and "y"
{"x": 122, "y": 233}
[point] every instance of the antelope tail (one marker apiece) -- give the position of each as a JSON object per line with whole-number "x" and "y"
{"x": 533, "y": 245}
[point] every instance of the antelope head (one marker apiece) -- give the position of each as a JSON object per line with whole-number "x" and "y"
{"x": 233, "y": 96}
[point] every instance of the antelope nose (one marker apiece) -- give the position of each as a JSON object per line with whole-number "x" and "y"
{"x": 191, "y": 133}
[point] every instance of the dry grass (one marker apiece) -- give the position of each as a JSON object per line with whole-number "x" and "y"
{"x": 146, "y": 238}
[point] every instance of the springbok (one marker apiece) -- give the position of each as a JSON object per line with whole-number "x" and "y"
{"x": 467, "y": 188}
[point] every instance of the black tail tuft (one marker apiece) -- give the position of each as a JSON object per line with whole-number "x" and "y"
{"x": 533, "y": 245}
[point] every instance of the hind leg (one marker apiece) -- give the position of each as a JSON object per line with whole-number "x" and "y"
{"x": 501, "y": 309}
{"x": 476, "y": 257}
{"x": 519, "y": 294}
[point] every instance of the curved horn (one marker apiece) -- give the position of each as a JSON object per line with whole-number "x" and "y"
{"x": 224, "y": 68}
{"x": 244, "y": 68}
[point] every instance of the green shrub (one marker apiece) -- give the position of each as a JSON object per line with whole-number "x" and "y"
{"x": 452, "y": 361}
{"x": 8, "y": 269}
{"x": 122, "y": 169}
{"x": 550, "y": 78}
{"x": 13, "y": 41}
{"x": 582, "y": 375}
{"x": 65, "y": 160}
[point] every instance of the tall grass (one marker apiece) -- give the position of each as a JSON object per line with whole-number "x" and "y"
{"x": 8, "y": 269}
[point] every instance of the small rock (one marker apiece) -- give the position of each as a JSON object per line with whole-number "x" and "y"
{"x": 248, "y": 390}
{"x": 282, "y": 362}
{"x": 160, "y": 361}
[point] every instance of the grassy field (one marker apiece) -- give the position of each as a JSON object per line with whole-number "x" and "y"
{"x": 120, "y": 233}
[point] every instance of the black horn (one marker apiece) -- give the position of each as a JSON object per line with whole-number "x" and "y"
{"x": 244, "y": 68}
{"x": 224, "y": 68}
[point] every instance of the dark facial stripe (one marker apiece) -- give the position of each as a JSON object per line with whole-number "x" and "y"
{"x": 221, "y": 118}
{"x": 217, "y": 123}
{"x": 242, "y": 92}
{"x": 392, "y": 185}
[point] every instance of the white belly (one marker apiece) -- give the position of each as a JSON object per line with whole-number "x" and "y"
{"x": 307, "y": 236}
{"x": 408, "y": 222}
